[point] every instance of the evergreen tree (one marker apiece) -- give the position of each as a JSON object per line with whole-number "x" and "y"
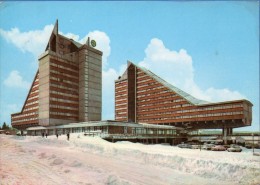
{"x": 4, "y": 127}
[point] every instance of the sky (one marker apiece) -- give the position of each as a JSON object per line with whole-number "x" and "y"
{"x": 208, "y": 49}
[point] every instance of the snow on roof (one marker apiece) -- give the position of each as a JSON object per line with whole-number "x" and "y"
{"x": 105, "y": 123}
{"x": 73, "y": 41}
{"x": 36, "y": 128}
{"x": 146, "y": 125}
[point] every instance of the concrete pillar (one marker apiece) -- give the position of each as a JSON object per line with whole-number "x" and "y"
{"x": 224, "y": 133}
{"x": 230, "y": 131}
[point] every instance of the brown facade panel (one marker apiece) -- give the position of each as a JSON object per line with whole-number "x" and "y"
{"x": 65, "y": 77}
{"x": 29, "y": 113}
{"x": 63, "y": 84}
{"x": 64, "y": 117}
{"x": 121, "y": 100}
{"x": 59, "y": 89}
{"x": 64, "y": 97}
{"x": 65, "y": 71}
{"x": 66, "y": 64}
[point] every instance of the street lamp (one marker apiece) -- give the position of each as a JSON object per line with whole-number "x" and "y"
{"x": 253, "y": 143}
{"x": 199, "y": 139}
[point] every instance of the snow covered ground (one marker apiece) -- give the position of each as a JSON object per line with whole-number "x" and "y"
{"x": 91, "y": 160}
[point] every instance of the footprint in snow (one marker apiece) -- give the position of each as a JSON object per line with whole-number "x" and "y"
{"x": 42, "y": 155}
{"x": 52, "y": 157}
{"x": 56, "y": 162}
{"x": 75, "y": 164}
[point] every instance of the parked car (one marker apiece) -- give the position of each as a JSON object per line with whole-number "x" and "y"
{"x": 248, "y": 146}
{"x": 195, "y": 146}
{"x": 218, "y": 148}
{"x": 18, "y": 133}
{"x": 7, "y": 133}
{"x": 257, "y": 146}
{"x": 234, "y": 148}
{"x": 226, "y": 146}
{"x": 207, "y": 146}
{"x": 184, "y": 145}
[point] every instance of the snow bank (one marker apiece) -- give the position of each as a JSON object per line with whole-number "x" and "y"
{"x": 204, "y": 167}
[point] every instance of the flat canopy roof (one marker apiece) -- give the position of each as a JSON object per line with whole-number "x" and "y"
{"x": 105, "y": 123}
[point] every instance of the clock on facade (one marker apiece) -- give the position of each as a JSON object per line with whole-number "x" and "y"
{"x": 93, "y": 43}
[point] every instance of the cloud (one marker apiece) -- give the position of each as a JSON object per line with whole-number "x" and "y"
{"x": 108, "y": 92}
{"x": 32, "y": 41}
{"x": 15, "y": 80}
{"x": 71, "y": 36}
{"x": 103, "y": 44}
{"x": 176, "y": 68}
{"x": 35, "y": 41}
{"x": 7, "y": 111}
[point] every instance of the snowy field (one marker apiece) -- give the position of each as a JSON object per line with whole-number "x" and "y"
{"x": 87, "y": 160}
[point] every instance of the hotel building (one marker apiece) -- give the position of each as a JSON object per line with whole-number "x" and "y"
{"x": 67, "y": 87}
{"x": 142, "y": 96}
{"x": 66, "y": 96}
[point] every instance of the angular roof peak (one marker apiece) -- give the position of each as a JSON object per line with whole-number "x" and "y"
{"x": 56, "y": 28}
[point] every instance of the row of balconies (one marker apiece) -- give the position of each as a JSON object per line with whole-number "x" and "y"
{"x": 22, "y": 117}
{"x": 54, "y": 116}
{"x": 60, "y": 74}
{"x": 64, "y": 90}
{"x": 60, "y": 70}
{"x": 192, "y": 110}
{"x": 58, "y": 103}
{"x": 64, "y": 64}
{"x": 35, "y": 122}
{"x": 177, "y": 120}
{"x": 64, "y": 97}
{"x": 63, "y": 111}
{"x": 181, "y": 115}
{"x": 64, "y": 84}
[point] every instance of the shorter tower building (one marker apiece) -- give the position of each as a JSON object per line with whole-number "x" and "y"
{"x": 142, "y": 96}
{"x": 67, "y": 87}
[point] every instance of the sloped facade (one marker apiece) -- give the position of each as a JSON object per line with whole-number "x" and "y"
{"x": 28, "y": 117}
{"x": 142, "y": 96}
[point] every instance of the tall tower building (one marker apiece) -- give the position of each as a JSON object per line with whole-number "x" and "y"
{"x": 67, "y": 87}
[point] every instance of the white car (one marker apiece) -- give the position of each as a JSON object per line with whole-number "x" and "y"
{"x": 234, "y": 148}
